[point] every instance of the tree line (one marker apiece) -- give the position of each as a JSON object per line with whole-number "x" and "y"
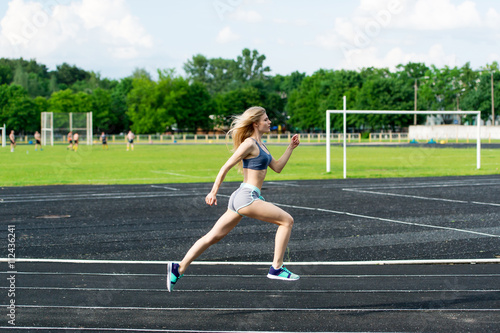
{"x": 215, "y": 89}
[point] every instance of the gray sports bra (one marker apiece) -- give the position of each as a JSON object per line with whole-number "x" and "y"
{"x": 260, "y": 162}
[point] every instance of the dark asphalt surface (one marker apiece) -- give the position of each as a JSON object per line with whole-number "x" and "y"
{"x": 336, "y": 222}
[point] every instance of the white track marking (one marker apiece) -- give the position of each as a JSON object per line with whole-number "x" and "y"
{"x": 388, "y": 220}
{"x": 179, "y": 174}
{"x": 165, "y": 187}
{"x": 279, "y": 291}
{"x": 107, "y": 329}
{"x": 95, "y": 196}
{"x": 485, "y": 203}
{"x": 256, "y": 263}
{"x": 424, "y": 185}
{"x": 420, "y": 197}
{"x": 283, "y": 184}
{"x": 252, "y": 276}
{"x": 138, "y": 308}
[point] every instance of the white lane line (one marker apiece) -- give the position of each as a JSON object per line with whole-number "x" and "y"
{"x": 279, "y": 291}
{"x": 403, "y": 195}
{"x": 165, "y": 187}
{"x": 420, "y": 197}
{"x": 389, "y": 220}
{"x": 253, "y": 276}
{"x": 94, "y": 197}
{"x": 108, "y": 329}
{"x": 485, "y": 203}
{"x": 283, "y": 184}
{"x": 138, "y": 308}
{"x": 423, "y": 185}
{"x": 257, "y": 263}
{"x": 179, "y": 174}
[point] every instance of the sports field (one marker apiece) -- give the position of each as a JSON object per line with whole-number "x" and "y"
{"x": 186, "y": 163}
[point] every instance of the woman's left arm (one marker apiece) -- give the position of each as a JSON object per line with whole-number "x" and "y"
{"x": 278, "y": 165}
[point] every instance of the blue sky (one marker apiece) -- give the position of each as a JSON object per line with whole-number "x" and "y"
{"x": 113, "y": 37}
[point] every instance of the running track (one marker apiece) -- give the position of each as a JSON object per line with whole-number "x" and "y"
{"x": 412, "y": 255}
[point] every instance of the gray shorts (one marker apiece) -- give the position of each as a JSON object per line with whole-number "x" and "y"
{"x": 244, "y": 196}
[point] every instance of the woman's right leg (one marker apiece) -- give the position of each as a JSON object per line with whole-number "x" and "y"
{"x": 267, "y": 212}
{"x": 224, "y": 225}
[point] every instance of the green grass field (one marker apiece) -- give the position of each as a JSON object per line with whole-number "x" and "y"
{"x": 175, "y": 163}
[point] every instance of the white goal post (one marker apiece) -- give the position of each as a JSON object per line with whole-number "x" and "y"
{"x": 4, "y": 135}
{"x": 60, "y": 123}
{"x": 345, "y": 112}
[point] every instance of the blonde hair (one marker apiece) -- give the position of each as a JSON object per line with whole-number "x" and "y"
{"x": 242, "y": 126}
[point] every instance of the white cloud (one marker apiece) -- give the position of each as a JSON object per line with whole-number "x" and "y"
{"x": 278, "y": 20}
{"x": 226, "y": 35}
{"x": 250, "y": 16}
{"x": 437, "y": 15}
{"x": 95, "y": 13}
{"x": 296, "y": 23}
{"x": 301, "y": 22}
{"x": 492, "y": 19}
{"x": 435, "y": 55}
{"x": 493, "y": 57}
{"x": 375, "y": 6}
{"x": 370, "y": 35}
{"x": 81, "y": 28}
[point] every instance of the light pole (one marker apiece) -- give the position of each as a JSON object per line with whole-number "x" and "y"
{"x": 492, "y": 97}
{"x": 492, "y": 101}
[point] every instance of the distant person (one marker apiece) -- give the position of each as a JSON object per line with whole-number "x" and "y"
{"x": 70, "y": 141}
{"x": 254, "y": 158}
{"x": 38, "y": 141}
{"x": 75, "y": 141}
{"x": 12, "y": 138}
{"x": 104, "y": 140}
{"x": 130, "y": 140}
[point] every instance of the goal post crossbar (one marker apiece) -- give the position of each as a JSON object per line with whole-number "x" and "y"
{"x": 346, "y": 112}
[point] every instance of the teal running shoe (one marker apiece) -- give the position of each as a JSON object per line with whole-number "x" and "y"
{"x": 172, "y": 275}
{"x": 282, "y": 274}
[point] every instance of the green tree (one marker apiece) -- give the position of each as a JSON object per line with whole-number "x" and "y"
{"x": 322, "y": 91}
{"x": 62, "y": 101}
{"x": 68, "y": 75}
{"x": 223, "y": 75}
{"x": 6, "y": 74}
{"x": 479, "y": 96}
{"x": 119, "y": 106}
{"x": 194, "y": 108}
{"x": 17, "y": 109}
{"x": 102, "y": 116}
{"x": 197, "y": 69}
{"x": 234, "y": 102}
{"x": 144, "y": 107}
{"x": 250, "y": 66}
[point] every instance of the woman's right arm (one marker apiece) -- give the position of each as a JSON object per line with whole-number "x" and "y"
{"x": 243, "y": 151}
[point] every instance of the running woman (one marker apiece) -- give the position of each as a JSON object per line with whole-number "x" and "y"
{"x": 254, "y": 159}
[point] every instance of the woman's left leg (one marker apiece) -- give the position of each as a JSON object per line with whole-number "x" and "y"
{"x": 222, "y": 227}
